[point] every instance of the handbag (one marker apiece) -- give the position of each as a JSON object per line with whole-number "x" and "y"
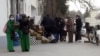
{"x": 5, "y": 28}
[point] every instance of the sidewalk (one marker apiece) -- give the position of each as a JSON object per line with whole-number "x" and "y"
{"x": 58, "y": 49}
{"x": 3, "y": 42}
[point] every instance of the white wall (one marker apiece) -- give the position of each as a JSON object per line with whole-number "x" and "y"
{"x": 3, "y": 15}
{"x": 33, "y": 12}
{"x": 5, "y": 11}
{"x": 28, "y": 4}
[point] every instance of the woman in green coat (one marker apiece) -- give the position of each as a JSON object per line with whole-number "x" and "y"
{"x": 10, "y": 33}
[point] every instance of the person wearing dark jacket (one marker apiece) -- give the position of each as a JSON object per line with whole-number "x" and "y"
{"x": 23, "y": 33}
{"x": 78, "y": 28}
{"x": 60, "y": 23}
{"x": 47, "y": 24}
{"x": 55, "y": 32}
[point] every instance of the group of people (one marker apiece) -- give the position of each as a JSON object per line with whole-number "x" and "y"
{"x": 21, "y": 26}
{"x": 59, "y": 27}
{"x": 53, "y": 27}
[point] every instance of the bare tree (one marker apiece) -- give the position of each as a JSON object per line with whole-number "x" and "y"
{"x": 55, "y": 8}
{"x": 87, "y": 4}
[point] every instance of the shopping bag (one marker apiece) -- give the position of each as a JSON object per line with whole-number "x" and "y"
{"x": 52, "y": 37}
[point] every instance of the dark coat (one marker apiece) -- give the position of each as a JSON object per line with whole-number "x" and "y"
{"x": 60, "y": 23}
{"x": 78, "y": 24}
{"x": 47, "y": 22}
{"x": 48, "y": 25}
{"x": 24, "y": 25}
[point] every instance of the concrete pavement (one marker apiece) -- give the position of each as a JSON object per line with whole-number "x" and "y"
{"x": 58, "y": 49}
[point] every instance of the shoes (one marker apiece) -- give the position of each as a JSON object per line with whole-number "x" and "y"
{"x": 86, "y": 41}
{"x": 11, "y": 50}
{"x": 62, "y": 40}
{"x": 70, "y": 41}
{"x": 25, "y": 50}
{"x": 78, "y": 41}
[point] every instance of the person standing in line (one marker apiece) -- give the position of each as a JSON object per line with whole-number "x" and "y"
{"x": 55, "y": 32}
{"x": 70, "y": 24}
{"x": 47, "y": 24}
{"x": 60, "y": 23}
{"x": 10, "y": 33}
{"x": 87, "y": 26}
{"x": 78, "y": 28}
{"x": 24, "y": 33}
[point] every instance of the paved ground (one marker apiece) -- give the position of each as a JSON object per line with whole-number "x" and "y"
{"x": 59, "y": 49}
{"x": 2, "y": 42}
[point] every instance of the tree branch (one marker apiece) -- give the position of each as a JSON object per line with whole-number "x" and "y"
{"x": 86, "y": 3}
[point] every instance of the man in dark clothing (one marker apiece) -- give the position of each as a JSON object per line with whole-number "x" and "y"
{"x": 60, "y": 23}
{"x": 55, "y": 32}
{"x": 23, "y": 33}
{"x": 78, "y": 28}
{"x": 47, "y": 23}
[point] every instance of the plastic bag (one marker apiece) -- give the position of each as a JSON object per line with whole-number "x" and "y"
{"x": 52, "y": 37}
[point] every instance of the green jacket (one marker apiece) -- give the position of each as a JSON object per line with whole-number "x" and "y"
{"x": 10, "y": 26}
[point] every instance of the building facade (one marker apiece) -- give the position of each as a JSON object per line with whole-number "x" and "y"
{"x": 31, "y": 8}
